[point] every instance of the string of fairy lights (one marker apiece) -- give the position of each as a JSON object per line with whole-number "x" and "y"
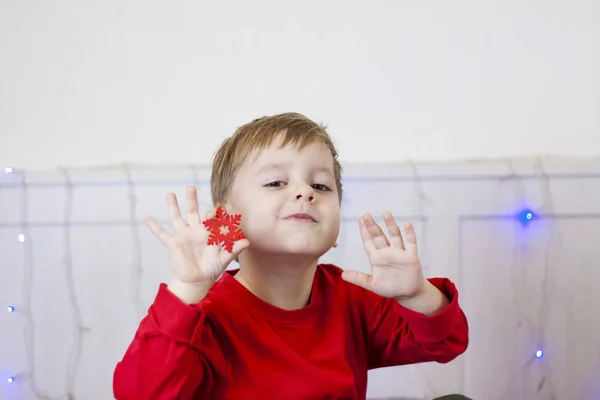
{"x": 525, "y": 217}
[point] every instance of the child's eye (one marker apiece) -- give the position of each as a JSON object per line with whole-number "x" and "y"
{"x": 275, "y": 184}
{"x": 321, "y": 187}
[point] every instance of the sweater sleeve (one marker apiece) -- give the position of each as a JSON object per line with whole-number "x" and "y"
{"x": 173, "y": 355}
{"x": 399, "y": 336}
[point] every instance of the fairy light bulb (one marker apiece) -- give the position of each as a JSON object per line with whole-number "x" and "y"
{"x": 539, "y": 354}
{"x": 526, "y": 216}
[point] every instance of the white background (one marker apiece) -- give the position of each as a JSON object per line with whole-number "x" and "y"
{"x": 146, "y": 82}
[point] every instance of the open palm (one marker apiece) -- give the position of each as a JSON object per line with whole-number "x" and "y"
{"x": 192, "y": 259}
{"x": 395, "y": 267}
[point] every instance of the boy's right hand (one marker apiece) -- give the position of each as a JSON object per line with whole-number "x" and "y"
{"x": 196, "y": 265}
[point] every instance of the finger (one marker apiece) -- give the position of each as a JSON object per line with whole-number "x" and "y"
{"x": 393, "y": 230}
{"x": 238, "y": 247}
{"x": 377, "y": 234}
{"x": 366, "y": 237}
{"x": 410, "y": 238}
{"x": 174, "y": 212}
{"x": 193, "y": 218}
{"x": 161, "y": 233}
{"x": 209, "y": 215}
{"x": 359, "y": 279}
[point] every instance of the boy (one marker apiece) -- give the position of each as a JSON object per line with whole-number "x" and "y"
{"x": 283, "y": 326}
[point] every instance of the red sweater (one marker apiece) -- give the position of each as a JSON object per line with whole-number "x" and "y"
{"x": 232, "y": 345}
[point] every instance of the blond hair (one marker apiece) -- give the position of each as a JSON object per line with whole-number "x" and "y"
{"x": 292, "y": 128}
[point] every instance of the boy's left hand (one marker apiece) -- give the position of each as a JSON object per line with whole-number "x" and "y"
{"x": 395, "y": 267}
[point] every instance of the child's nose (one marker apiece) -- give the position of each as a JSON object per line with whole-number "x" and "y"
{"x": 309, "y": 198}
{"x": 306, "y": 193}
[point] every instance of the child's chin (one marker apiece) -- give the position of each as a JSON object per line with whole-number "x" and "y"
{"x": 293, "y": 245}
{"x": 291, "y": 249}
{"x": 311, "y": 250}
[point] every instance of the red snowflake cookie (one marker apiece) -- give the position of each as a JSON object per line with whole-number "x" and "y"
{"x": 224, "y": 229}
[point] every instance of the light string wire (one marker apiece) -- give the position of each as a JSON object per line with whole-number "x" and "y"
{"x": 419, "y": 200}
{"x": 136, "y": 270}
{"x": 76, "y": 347}
{"x": 549, "y": 271}
{"x": 522, "y": 288}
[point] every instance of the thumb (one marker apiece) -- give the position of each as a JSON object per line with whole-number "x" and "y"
{"x": 359, "y": 279}
{"x": 238, "y": 247}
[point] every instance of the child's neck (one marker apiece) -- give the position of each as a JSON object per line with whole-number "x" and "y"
{"x": 283, "y": 282}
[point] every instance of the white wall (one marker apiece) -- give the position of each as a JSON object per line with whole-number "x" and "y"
{"x": 105, "y": 82}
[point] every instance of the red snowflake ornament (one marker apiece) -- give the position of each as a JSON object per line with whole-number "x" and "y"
{"x": 224, "y": 229}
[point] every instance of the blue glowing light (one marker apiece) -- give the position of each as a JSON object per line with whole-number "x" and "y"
{"x": 539, "y": 354}
{"x": 526, "y": 216}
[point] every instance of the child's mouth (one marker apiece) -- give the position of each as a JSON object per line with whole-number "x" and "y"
{"x": 301, "y": 217}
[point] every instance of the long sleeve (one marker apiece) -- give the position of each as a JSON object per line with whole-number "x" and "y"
{"x": 172, "y": 356}
{"x": 398, "y": 336}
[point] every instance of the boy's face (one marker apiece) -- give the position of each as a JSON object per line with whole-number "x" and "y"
{"x": 288, "y": 200}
